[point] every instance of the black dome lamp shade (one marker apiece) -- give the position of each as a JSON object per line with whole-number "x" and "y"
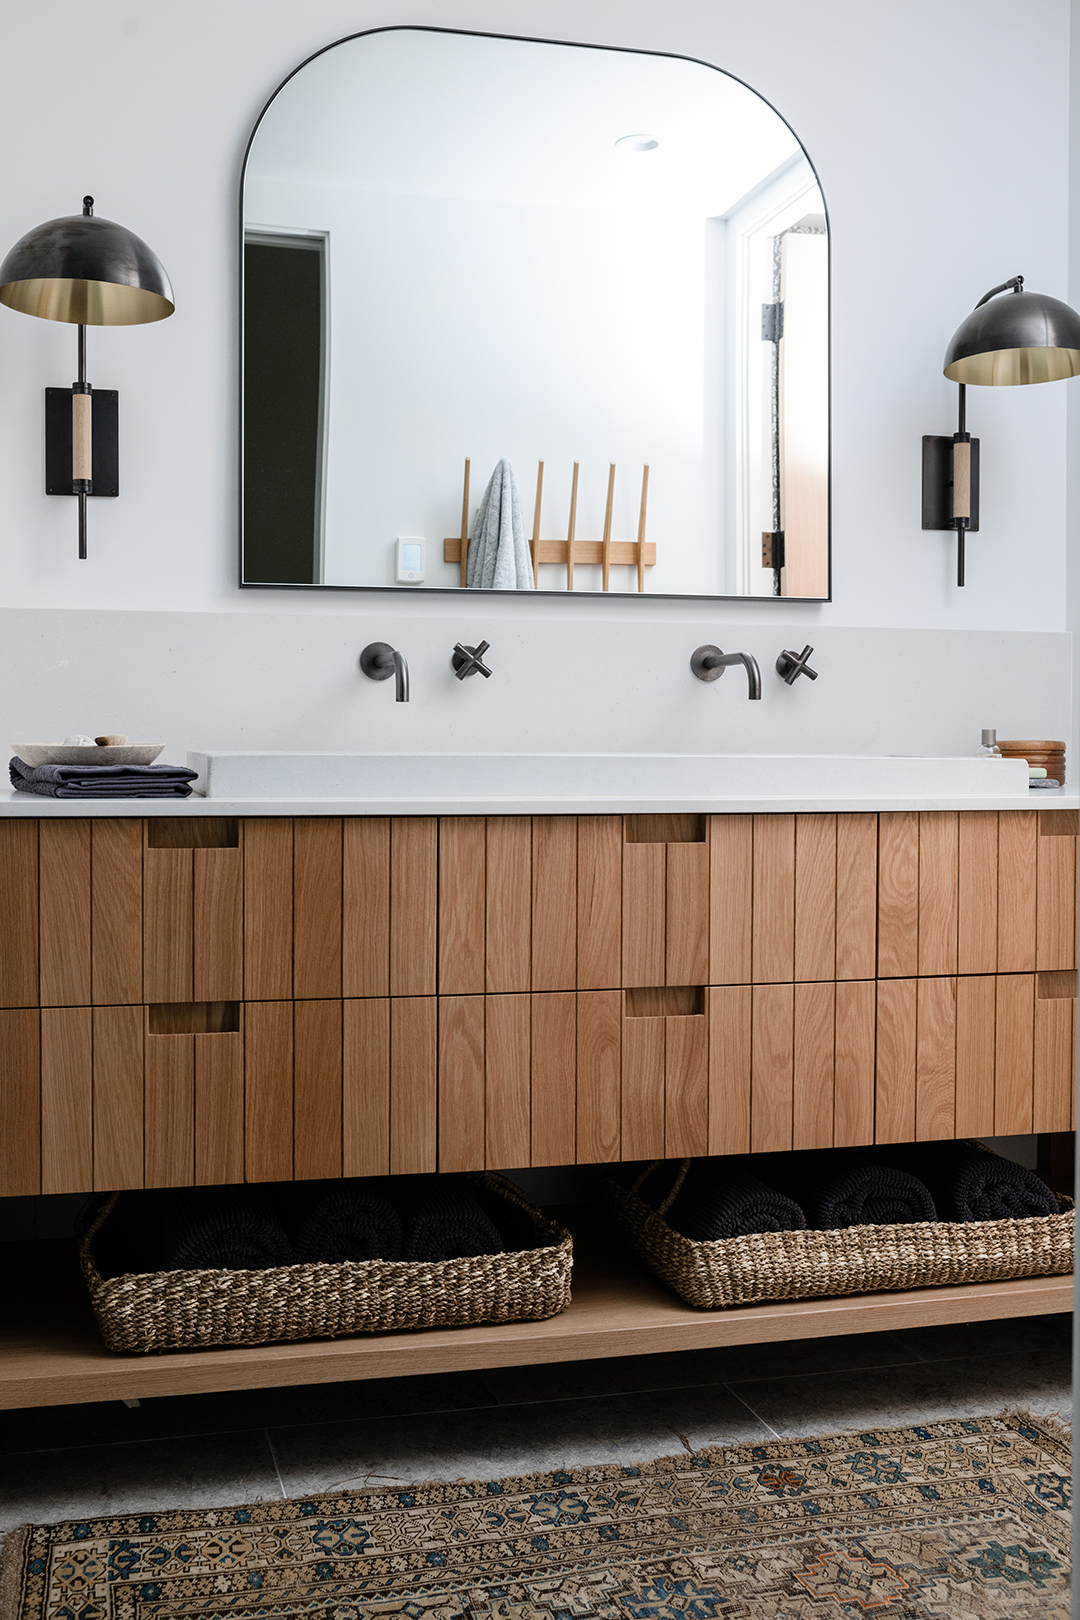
{"x": 1004, "y": 342}
{"x": 90, "y": 272}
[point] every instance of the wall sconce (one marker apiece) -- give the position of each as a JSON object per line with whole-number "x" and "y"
{"x": 1025, "y": 338}
{"x": 90, "y": 272}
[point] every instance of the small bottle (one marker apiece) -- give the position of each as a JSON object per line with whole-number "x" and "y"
{"x": 989, "y": 748}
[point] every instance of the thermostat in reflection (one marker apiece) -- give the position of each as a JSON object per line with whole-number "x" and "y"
{"x": 410, "y": 560}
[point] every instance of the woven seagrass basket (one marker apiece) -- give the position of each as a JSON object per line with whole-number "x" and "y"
{"x": 190, "y": 1310}
{"x": 850, "y": 1260}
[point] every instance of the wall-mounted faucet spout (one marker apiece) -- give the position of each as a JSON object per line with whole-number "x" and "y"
{"x": 709, "y": 663}
{"x": 379, "y": 661}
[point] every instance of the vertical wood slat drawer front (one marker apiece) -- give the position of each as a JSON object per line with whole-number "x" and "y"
{"x": 813, "y": 1065}
{"x": 462, "y": 1090}
{"x": 414, "y": 886}
{"x": 894, "y": 1090}
{"x": 1018, "y": 837}
{"x": 815, "y": 897}
{"x": 317, "y": 1090}
{"x": 599, "y": 1076}
{"x": 599, "y": 902}
{"x": 508, "y": 904}
{"x": 413, "y": 1085}
{"x": 730, "y": 1015}
{"x": 168, "y": 924}
{"x": 365, "y": 906}
{"x": 218, "y": 968}
{"x": 389, "y": 906}
{"x": 686, "y": 904}
{"x": 67, "y": 1100}
{"x": 935, "y": 1060}
{"x": 1055, "y": 1051}
{"x": 19, "y": 895}
{"x": 268, "y": 1091}
{"x": 854, "y": 1079}
{"x": 462, "y": 905}
{"x": 856, "y": 896}
{"x": 268, "y": 909}
{"x": 975, "y": 1040}
{"x": 1014, "y": 1054}
{"x": 219, "y": 1107}
{"x": 365, "y": 1103}
{"x": 644, "y": 952}
{"x": 643, "y": 1088}
{"x": 389, "y": 1086}
{"x": 686, "y": 1086}
{"x": 774, "y": 900}
{"x": 554, "y": 1078}
{"x": 116, "y": 910}
{"x": 169, "y": 1109}
{"x": 1055, "y": 944}
{"x": 977, "y": 893}
{"x": 317, "y": 907}
{"x": 118, "y": 1097}
{"x": 555, "y": 903}
{"x": 898, "y": 898}
{"x": 64, "y": 901}
{"x": 772, "y": 1068}
{"x": 938, "y": 892}
{"x": 731, "y": 892}
{"x": 665, "y": 1083}
{"x": 507, "y": 1081}
{"x": 20, "y": 1102}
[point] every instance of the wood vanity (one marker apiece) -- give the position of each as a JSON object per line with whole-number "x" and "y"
{"x": 200, "y": 999}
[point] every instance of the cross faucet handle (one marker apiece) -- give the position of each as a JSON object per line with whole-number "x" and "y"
{"x": 790, "y": 665}
{"x": 470, "y": 660}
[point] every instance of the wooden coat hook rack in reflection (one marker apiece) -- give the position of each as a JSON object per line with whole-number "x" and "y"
{"x": 607, "y": 552}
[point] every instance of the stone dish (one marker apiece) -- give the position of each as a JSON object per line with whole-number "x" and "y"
{"x": 35, "y": 754}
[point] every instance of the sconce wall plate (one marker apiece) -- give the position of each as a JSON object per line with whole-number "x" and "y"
{"x": 937, "y": 482}
{"x": 104, "y": 441}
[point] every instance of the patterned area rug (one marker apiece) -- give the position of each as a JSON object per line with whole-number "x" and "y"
{"x": 964, "y": 1520}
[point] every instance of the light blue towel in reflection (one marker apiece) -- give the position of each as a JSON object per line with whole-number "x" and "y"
{"x": 499, "y": 556}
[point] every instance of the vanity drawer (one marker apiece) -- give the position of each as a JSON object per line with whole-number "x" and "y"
{"x": 204, "y": 1093}
{"x": 977, "y": 892}
{"x": 980, "y": 1055}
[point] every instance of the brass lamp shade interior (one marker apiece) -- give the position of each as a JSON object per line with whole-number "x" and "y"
{"x": 1019, "y": 338}
{"x": 88, "y": 271}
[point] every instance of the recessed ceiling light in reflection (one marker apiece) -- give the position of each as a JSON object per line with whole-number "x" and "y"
{"x": 637, "y": 143}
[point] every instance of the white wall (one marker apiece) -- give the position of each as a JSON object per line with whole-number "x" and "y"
{"x": 933, "y": 197}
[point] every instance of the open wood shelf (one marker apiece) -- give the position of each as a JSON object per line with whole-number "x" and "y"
{"x": 51, "y": 1353}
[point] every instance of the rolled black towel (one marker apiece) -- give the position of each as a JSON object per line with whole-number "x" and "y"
{"x": 334, "y": 1221}
{"x": 968, "y": 1183}
{"x": 845, "y": 1187}
{"x": 444, "y": 1220}
{"x": 722, "y": 1198}
{"x": 194, "y": 1229}
{"x": 102, "y": 781}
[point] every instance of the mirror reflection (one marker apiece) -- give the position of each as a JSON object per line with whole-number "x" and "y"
{"x": 529, "y": 316}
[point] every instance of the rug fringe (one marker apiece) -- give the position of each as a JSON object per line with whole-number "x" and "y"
{"x": 12, "y": 1559}
{"x": 1052, "y": 1426}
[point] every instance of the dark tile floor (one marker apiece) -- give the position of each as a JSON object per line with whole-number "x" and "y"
{"x": 217, "y": 1450}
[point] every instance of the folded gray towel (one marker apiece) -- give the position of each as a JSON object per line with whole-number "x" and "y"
{"x": 838, "y": 1187}
{"x": 968, "y": 1183}
{"x": 499, "y": 558}
{"x": 444, "y": 1220}
{"x": 720, "y": 1198}
{"x": 333, "y": 1221}
{"x": 193, "y": 1229}
{"x": 103, "y": 781}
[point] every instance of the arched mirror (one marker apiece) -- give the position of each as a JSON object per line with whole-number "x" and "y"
{"x": 532, "y": 316}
